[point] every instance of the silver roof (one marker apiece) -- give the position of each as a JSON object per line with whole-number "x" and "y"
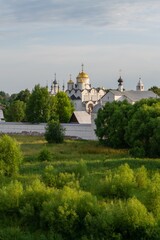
{"x": 82, "y": 117}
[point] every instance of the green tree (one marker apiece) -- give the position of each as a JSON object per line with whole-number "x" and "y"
{"x": 64, "y": 107}
{"x": 111, "y": 122}
{"x": 38, "y": 105}
{"x": 54, "y": 132}
{"x": 15, "y": 112}
{"x": 10, "y": 156}
{"x": 155, "y": 89}
{"x": 4, "y": 98}
{"x": 23, "y": 95}
{"x": 143, "y": 130}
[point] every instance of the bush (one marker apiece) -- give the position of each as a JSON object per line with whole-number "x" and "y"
{"x": 137, "y": 152}
{"x": 58, "y": 179}
{"x": 10, "y": 196}
{"x": 120, "y": 182}
{"x": 10, "y": 156}
{"x": 54, "y": 132}
{"x": 44, "y": 155}
{"x": 132, "y": 220}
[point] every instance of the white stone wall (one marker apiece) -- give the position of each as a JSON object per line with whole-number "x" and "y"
{"x": 83, "y": 131}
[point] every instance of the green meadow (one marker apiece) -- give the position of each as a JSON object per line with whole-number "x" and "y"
{"x": 80, "y": 190}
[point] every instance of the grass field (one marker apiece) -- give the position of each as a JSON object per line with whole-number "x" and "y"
{"x": 83, "y": 191}
{"x": 98, "y": 158}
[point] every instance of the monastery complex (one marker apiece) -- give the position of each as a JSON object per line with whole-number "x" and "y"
{"x": 89, "y": 99}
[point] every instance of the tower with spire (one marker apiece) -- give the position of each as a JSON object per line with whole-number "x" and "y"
{"x": 70, "y": 83}
{"x": 54, "y": 86}
{"x": 140, "y": 85}
{"x": 120, "y": 82}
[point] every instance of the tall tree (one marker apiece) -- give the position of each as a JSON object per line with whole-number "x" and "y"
{"x": 156, "y": 90}
{"x": 4, "y": 98}
{"x": 143, "y": 130}
{"x": 23, "y": 95}
{"x": 38, "y": 105}
{"x": 111, "y": 122}
{"x": 15, "y": 112}
{"x": 64, "y": 107}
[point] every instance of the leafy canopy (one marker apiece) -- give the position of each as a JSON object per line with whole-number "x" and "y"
{"x": 54, "y": 132}
{"x": 10, "y": 156}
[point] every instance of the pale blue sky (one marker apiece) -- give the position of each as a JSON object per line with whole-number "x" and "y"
{"x": 39, "y": 38}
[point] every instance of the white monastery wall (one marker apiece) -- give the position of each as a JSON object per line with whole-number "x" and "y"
{"x": 83, "y": 131}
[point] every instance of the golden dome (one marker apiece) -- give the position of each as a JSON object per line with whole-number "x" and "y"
{"x": 82, "y": 75}
{"x": 70, "y": 81}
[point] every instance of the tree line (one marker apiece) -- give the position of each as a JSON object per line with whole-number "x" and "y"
{"x": 122, "y": 125}
{"x": 37, "y": 106}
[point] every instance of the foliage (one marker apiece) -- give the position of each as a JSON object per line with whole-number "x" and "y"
{"x": 15, "y": 112}
{"x": 143, "y": 130}
{"x": 120, "y": 125}
{"x": 155, "y": 89}
{"x": 23, "y": 95}
{"x": 38, "y": 105}
{"x": 4, "y": 98}
{"x": 10, "y": 196}
{"x": 44, "y": 155}
{"x": 111, "y": 122}
{"x": 132, "y": 220}
{"x": 64, "y": 107}
{"x": 54, "y": 132}
{"x": 10, "y": 156}
{"x": 107, "y": 195}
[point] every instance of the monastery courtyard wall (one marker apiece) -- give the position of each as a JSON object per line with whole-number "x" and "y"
{"x": 82, "y": 131}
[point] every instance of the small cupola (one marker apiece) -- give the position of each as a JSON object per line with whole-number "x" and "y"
{"x": 140, "y": 85}
{"x": 70, "y": 83}
{"x": 120, "y": 84}
{"x": 54, "y": 86}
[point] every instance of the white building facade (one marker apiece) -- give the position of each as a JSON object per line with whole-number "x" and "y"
{"x": 83, "y": 96}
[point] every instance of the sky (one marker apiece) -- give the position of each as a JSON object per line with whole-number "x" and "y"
{"x": 39, "y": 38}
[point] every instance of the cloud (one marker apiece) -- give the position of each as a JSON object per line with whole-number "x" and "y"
{"x": 104, "y": 13}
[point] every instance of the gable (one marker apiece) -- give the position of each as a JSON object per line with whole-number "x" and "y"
{"x": 81, "y": 117}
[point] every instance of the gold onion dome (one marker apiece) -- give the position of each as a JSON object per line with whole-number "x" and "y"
{"x": 70, "y": 81}
{"x": 82, "y": 75}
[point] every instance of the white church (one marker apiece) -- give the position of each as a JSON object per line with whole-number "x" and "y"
{"x": 83, "y": 96}
{"x": 87, "y": 99}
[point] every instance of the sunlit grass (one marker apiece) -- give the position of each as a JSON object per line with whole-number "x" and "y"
{"x": 67, "y": 155}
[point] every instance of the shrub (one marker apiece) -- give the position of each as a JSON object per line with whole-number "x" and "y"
{"x": 142, "y": 180}
{"x": 137, "y": 152}
{"x": 81, "y": 169}
{"x": 10, "y": 196}
{"x": 44, "y": 155}
{"x": 132, "y": 220}
{"x": 48, "y": 176}
{"x": 10, "y": 156}
{"x": 54, "y": 132}
{"x": 58, "y": 179}
{"x": 31, "y": 202}
{"x": 66, "y": 213}
{"x": 120, "y": 182}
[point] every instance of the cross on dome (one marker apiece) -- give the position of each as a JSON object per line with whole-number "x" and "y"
{"x": 82, "y": 66}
